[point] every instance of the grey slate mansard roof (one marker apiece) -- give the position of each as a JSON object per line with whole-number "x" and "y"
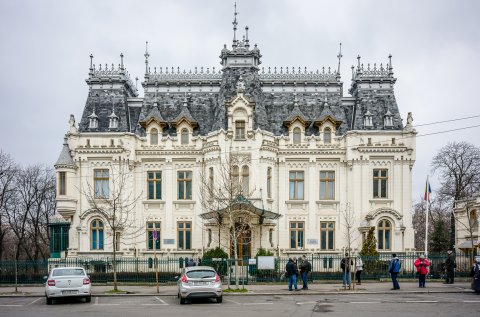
{"x": 273, "y": 90}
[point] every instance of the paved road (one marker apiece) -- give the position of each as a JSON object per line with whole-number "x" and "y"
{"x": 358, "y": 305}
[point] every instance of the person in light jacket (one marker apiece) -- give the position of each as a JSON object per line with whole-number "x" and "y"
{"x": 393, "y": 269}
{"x": 422, "y": 265}
{"x": 358, "y": 273}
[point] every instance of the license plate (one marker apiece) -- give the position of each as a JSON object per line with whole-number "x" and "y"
{"x": 200, "y": 283}
{"x": 69, "y": 292}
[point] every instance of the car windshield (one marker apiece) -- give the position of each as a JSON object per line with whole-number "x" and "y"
{"x": 68, "y": 272}
{"x": 201, "y": 274}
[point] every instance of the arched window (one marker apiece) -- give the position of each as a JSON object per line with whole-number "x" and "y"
{"x": 96, "y": 234}
{"x": 184, "y": 138}
{"x": 269, "y": 182}
{"x": 384, "y": 235}
{"x": 153, "y": 136}
{"x": 297, "y": 138}
{"x": 245, "y": 175}
{"x": 327, "y": 135}
{"x": 472, "y": 218}
{"x": 235, "y": 179}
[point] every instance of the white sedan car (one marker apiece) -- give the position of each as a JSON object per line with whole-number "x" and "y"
{"x": 68, "y": 282}
{"x": 199, "y": 282}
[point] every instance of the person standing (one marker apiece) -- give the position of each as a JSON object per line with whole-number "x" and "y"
{"x": 475, "y": 274}
{"x": 291, "y": 273}
{"x": 345, "y": 265}
{"x": 450, "y": 266}
{"x": 393, "y": 269}
{"x": 358, "y": 273}
{"x": 305, "y": 268}
{"x": 422, "y": 265}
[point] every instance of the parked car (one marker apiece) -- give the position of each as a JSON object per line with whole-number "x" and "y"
{"x": 68, "y": 282}
{"x": 199, "y": 282}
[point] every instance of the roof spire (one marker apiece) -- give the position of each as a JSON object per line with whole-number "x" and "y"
{"x": 121, "y": 61}
{"x": 339, "y": 56}
{"x": 358, "y": 59}
{"x": 146, "y": 57}
{"x": 390, "y": 67}
{"x": 247, "y": 42}
{"x": 235, "y": 26}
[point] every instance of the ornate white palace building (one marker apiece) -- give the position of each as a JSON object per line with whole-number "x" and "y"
{"x": 311, "y": 155}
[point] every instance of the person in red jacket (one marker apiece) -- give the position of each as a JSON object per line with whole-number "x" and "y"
{"x": 422, "y": 265}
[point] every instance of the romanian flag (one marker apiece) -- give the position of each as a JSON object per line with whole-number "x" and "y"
{"x": 428, "y": 191}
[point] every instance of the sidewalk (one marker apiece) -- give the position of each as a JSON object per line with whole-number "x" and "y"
{"x": 278, "y": 289}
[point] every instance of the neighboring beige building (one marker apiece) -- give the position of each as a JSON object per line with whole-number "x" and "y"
{"x": 466, "y": 224}
{"x": 309, "y": 153}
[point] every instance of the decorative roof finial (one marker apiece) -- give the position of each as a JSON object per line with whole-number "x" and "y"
{"x": 91, "y": 62}
{"x": 121, "y": 61}
{"x": 339, "y": 56}
{"x": 353, "y": 76}
{"x": 235, "y": 23}
{"x": 146, "y": 57}
{"x": 247, "y": 44}
{"x": 390, "y": 67}
{"x": 358, "y": 59}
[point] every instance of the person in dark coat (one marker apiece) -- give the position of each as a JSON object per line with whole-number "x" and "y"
{"x": 450, "y": 266}
{"x": 475, "y": 274}
{"x": 291, "y": 273}
{"x": 305, "y": 268}
{"x": 346, "y": 266}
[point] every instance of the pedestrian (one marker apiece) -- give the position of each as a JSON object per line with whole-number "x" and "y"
{"x": 291, "y": 273}
{"x": 450, "y": 266}
{"x": 475, "y": 274}
{"x": 422, "y": 265}
{"x": 346, "y": 265}
{"x": 358, "y": 273}
{"x": 305, "y": 269}
{"x": 393, "y": 269}
{"x": 190, "y": 262}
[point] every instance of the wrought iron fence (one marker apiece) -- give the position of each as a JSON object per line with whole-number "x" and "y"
{"x": 142, "y": 270}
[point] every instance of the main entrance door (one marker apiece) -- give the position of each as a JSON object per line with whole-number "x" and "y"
{"x": 244, "y": 241}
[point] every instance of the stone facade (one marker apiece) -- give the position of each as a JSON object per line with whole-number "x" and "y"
{"x": 294, "y": 120}
{"x": 467, "y": 213}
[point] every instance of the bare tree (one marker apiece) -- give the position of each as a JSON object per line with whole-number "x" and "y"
{"x": 8, "y": 169}
{"x": 459, "y": 167}
{"x": 350, "y": 235}
{"x": 224, "y": 202}
{"x": 115, "y": 206}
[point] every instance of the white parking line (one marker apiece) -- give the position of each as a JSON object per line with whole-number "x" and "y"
{"x": 421, "y": 301}
{"x": 248, "y": 304}
{"x": 34, "y": 301}
{"x": 232, "y": 301}
{"x": 11, "y": 305}
{"x": 364, "y": 302}
{"x": 304, "y": 303}
{"x": 471, "y": 301}
{"x": 161, "y": 301}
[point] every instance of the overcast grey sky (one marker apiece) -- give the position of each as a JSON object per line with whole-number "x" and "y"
{"x": 45, "y": 47}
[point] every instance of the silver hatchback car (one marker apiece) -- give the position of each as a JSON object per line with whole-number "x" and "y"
{"x": 199, "y": 282}
{"x": 68, "y": 282}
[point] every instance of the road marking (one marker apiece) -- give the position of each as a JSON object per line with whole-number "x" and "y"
{"x": 471, "y": 301}
{"x": 108, "y": 304}
{"x": 421, "y": 301}
{"x": 161, "y": 301}
{"x": 248, "y": 304}
{"x": 11, "y": 305}
{"x": 34, "y": 301}
{"x": 232, "y": 301}
{"x": 364, "y": 302}
{"x": 303, "y": 303}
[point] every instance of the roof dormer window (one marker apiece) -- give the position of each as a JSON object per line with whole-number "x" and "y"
{"x": 93, "y": 120}
{"x": 327, "y": 135}
{"x": 153, "y": 136}
{"x": 184, "y": 136}
{"x": 388, "y": 119}
{"x": 240, "y": 130}
{"x": 113, "y": 124}
{"x": 367, "y": 119}
{"x": 297, "y": 135}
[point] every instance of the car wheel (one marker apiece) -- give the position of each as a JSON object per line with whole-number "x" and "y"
{"x": 219, "y": 299}
{"x": 88, "y": 299}
{"x": 182, "y": 301}
{"x": 49, "y": 301}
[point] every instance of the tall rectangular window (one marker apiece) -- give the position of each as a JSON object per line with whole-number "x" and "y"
{"x": 184, "y": 229}
{"x": 62, "y": 183}
{"x": 240, "y": 130}
{"x": 380, "y": 179}
{"x": 211, "y": 184}
{"x": 327, "y": 235}
{"x": 117, "y": 241}
{"x": 297, "y": 234}
{"x": 100, "y": 179}
{"x": 184, "y": 180}
{"x": 154, "y": 185}
{"x": 296, "y": 185}
{"x": 327, "y": 185}
{"x": 269, "y": 182}
{"x": 151, "y": 241}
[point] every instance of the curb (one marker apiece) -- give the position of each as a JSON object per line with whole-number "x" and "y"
{"x": 464, "y": 291}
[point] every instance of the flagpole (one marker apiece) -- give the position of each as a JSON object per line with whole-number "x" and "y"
{"x": 427, "y": 200}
